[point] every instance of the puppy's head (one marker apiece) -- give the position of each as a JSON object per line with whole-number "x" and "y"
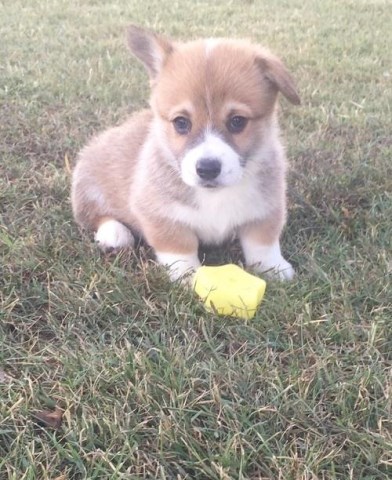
{"x": 213, "y": 100}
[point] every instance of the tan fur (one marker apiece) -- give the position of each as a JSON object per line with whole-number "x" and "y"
{"x": 131, "y": 173}
{"x": 267, "y": 231}
{"x": 170, "y": 237}
{"x": 109, "y": 162}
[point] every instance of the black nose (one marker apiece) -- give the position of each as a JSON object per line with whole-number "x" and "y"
{"x": 208, "y": 168}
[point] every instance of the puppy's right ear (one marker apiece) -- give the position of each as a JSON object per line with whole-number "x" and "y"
{"x": 151, "y": 49}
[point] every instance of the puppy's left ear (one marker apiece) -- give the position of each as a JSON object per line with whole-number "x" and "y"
{"x": 150, "y": 48}
{"x": 275, "y": 72}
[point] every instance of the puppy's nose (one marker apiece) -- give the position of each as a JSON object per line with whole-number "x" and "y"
{"x": 208, "y": 168}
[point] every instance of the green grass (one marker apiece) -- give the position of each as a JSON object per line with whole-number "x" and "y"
{"x": 151, "y": 385}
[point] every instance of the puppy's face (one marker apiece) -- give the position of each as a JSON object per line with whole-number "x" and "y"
{"x": 212, "y": 99}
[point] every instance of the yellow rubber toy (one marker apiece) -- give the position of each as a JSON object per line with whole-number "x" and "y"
{"x": 229, "y": 290}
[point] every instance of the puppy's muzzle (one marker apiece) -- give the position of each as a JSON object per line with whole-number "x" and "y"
{"x": 208, "y": 168}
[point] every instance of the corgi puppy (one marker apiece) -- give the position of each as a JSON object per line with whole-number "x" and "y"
{"x": 203, "y": 164}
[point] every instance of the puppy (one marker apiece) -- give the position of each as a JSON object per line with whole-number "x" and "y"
{"x": 203, "y": 164}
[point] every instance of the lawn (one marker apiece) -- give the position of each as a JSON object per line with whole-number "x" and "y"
{"x": 108, "y": 371}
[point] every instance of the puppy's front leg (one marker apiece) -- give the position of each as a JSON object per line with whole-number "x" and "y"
{"x": 260, "y": 244}
{"x": 176, "y": 247}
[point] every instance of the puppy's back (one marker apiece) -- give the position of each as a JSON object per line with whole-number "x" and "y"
{"x": 104, "y": 172}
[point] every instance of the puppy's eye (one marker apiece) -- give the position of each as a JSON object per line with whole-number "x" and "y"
{"x": 236, "y": 124}
{"x": 182, "y": 125}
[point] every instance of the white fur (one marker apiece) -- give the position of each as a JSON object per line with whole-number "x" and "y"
{"x": 210, "y": 44}
{"x": 113, "y": 235}
{"x": 267, "y": 258}
{"x": 178, "y": 265}
{"x": 212, "y": 147}
{"x": 218, "y": 212}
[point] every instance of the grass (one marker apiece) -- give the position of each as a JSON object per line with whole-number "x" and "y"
{"x": 149, "y": 384}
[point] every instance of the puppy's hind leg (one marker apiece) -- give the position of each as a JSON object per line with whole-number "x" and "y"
{"x": 92, "y": 212}
{"x": 113, "y": 235}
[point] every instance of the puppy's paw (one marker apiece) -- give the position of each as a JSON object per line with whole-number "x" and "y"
{"x": 113, "y": 235}
{"x": 281, "y": 270}
{"x": 267, "y": 259}
{"x": 180, "y": 267}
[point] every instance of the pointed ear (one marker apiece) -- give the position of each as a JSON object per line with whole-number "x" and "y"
{"x": 151, "y": 49}
{"x": 274, "y": 71}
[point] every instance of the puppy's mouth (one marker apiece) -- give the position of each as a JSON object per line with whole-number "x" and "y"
{"x": 211, "y": 185}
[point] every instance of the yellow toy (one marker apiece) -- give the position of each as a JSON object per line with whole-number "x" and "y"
{"x": 229, "y": 290}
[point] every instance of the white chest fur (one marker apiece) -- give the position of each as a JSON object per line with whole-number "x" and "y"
{"x": 218, "y": 213}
